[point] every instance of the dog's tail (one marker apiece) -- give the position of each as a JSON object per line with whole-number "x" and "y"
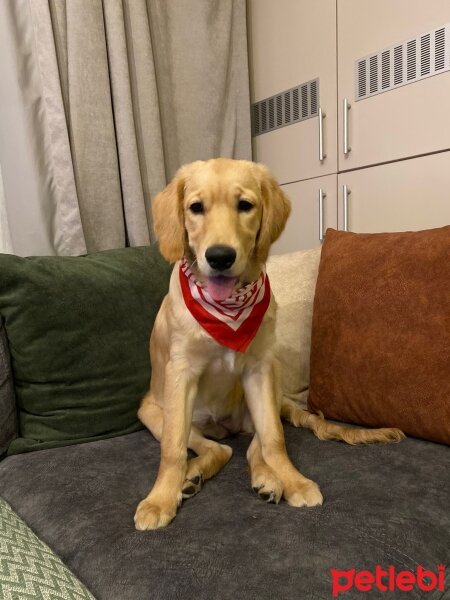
{"x": 325, "y": 430}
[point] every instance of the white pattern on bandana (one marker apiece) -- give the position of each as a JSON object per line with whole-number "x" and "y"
{"x": 232, "y": 322}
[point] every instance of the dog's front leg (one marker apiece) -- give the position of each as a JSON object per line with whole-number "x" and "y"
{"x": 262, "y": 395}
{"x": 160, "y": 506}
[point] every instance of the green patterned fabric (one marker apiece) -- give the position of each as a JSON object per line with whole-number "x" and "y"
{"x": 28, "y": 568}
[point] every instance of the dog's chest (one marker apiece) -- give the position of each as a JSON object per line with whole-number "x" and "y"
{"x": 227, "y": 363}
{"x": 217, "y": 387}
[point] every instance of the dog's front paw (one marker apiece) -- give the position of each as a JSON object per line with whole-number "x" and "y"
{"x": 303, "y": 493}
{"x": 150, "y": 515}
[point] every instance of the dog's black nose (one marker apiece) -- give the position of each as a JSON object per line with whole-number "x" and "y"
{"x": 220, "y": 257}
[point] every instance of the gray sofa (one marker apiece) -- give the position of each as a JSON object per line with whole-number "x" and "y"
{"x": 385, "y": 505}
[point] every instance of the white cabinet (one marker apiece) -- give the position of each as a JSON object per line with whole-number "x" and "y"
{"x": 292, "y": 42}
{"x": 395, "y": 56}
{"x": 403, "y": 196}
{"x": 308, "y": 220}
{"x": 390, "y": 61}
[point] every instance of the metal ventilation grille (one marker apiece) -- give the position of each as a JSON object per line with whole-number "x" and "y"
{"x": 286, "y": 108}
{"x": 426, "y": 55}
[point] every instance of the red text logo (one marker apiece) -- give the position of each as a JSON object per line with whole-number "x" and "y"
{"x": 387, "y": 580}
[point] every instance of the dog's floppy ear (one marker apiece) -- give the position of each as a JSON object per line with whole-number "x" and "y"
{"x": 275, "y": 212}
{"x": 168, "y": 221}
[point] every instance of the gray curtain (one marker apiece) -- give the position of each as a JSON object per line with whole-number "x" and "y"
{"x": 115, "y": 96}
{"x": 5, "y": 236}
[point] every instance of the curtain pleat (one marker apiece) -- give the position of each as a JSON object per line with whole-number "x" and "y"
{"x": 146, "y": 100}
{"x": 5, "y": 236}
{"x": 93, "y": 137}
{"x": 121, "y": 89}
{"x": 68, "y": 236}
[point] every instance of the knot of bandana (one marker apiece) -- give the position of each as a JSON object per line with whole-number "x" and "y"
{"x": 233, "y": 322}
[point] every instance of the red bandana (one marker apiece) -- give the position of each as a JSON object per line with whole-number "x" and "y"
{"x": 233, "y": 322}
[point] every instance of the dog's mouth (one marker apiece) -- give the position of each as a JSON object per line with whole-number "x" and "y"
{"x": 220, "y": 287}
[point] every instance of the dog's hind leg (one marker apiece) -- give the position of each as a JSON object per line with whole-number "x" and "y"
{"x": 211, "y": 456}
{"x": 325, "y": 430}
{"x": 151, "y": 415}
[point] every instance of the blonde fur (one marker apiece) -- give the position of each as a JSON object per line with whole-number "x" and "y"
{"x": 185, "y": 403}
{"x": 276, "y": 211}
{"x": 168, "y": 219}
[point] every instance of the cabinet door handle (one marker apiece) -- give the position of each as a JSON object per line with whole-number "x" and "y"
{"x": 347, "y": 107}
{"x": 322, "y": 195}
{"x": 345, "y": 194}
{"x": 322, "y": 116}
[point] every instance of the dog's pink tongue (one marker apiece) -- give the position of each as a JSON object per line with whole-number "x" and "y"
{"x": 220, "y": 288}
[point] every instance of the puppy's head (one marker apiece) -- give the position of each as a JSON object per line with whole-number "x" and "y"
{"x": 223, "y": 215}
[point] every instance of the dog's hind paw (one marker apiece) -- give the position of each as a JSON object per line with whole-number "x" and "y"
{"x": 272, "y": 496}
{"x": 267, "y": 485}
{"x": 192, "y": 486}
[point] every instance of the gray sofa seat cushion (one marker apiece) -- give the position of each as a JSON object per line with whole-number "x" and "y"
{"x": 8, "y": 414}
{"x": 384, "y": 505}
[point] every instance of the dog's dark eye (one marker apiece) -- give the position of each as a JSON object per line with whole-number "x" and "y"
{"x": 244, "y": 206}
{"x": 197, "y": 208}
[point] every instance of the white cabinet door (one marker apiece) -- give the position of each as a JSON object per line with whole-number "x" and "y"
{"x": 304, "y": 227}
{"x": 404, "y": 196}
{"x": 396, "y": 78}
{"x": 292, "y": 42}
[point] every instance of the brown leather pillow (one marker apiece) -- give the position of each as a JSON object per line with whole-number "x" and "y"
{"x": 380, "y": 347}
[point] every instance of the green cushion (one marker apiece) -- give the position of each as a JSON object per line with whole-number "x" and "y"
{"x": 78, "y": 331}
{"x": 28, "y": 568}
{"x": 8, "y": 414}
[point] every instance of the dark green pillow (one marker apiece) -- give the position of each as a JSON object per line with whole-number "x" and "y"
{"x": 8, "y": 414}
{"x": 78, "y": 331}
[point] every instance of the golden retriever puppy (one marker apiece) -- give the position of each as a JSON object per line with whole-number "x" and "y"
{"x": 214, "y": 371}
